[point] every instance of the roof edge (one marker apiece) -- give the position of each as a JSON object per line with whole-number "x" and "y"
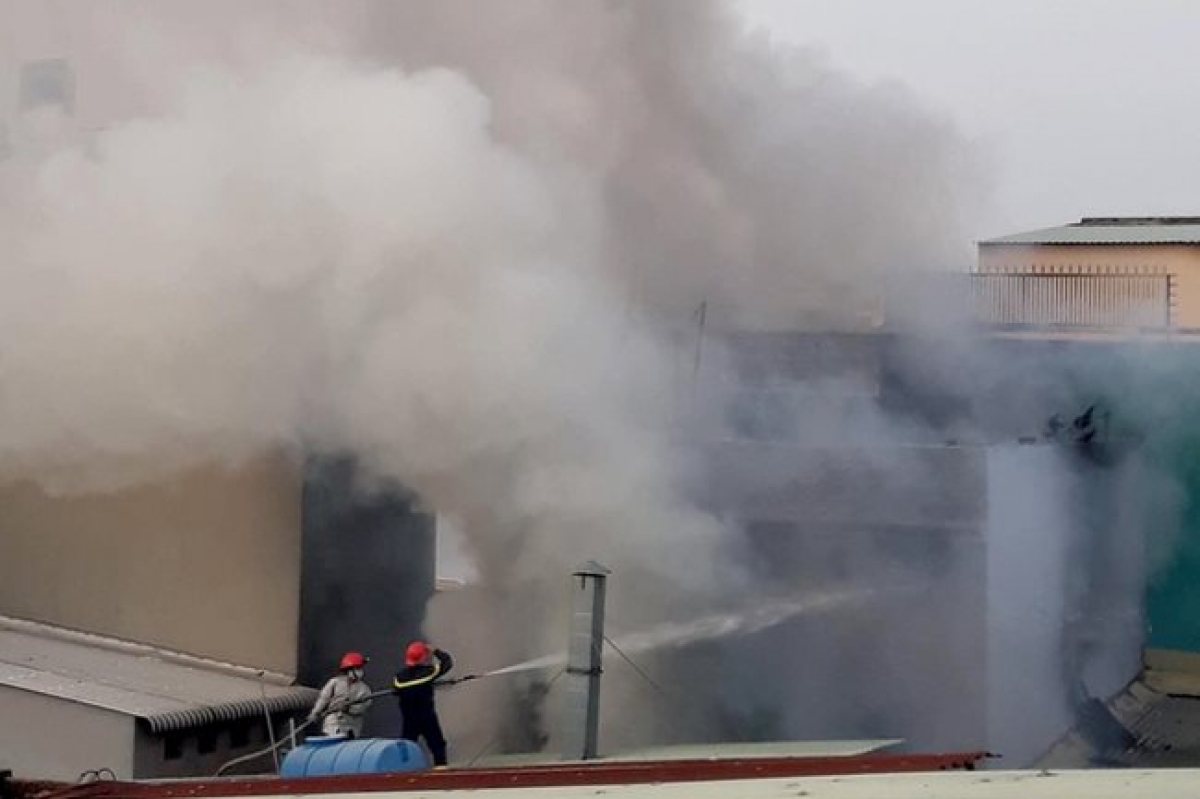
{"x": 295, "y": 699}
{"x": 1004, "y": 242}
{"x": 83, "y": 638}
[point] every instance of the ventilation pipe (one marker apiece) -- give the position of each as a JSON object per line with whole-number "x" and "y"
{"x": 581, "y": 711}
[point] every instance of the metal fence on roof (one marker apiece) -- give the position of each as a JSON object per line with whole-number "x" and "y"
{"x": 1118, "y": 300}
{"x": 1081, "y": 300}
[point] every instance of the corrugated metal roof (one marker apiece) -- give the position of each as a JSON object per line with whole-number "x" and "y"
{"x": 166, "y": 695}
{"x": 1112, "y": 230}
{"x": 1164, "y": 730}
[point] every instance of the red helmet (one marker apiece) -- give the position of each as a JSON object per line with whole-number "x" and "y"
{"x": 352, "y": 660}
{"x": 416, "y": 653}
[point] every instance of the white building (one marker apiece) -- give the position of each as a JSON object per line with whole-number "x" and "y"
{"x": 74, "y": 702}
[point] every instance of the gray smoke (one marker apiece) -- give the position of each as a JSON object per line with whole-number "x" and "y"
{"x": 467, "y": 246}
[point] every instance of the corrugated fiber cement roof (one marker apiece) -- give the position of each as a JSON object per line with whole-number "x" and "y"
{"x": 166, "y": 695}
{"x": 1178, "y": 230}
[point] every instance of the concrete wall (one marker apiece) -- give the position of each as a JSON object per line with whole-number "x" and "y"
{"x": 907, "y": 662}
{"x": 1028, "y": 550}
{"x": 1181, "y": 261}
{"x": 200, "y": 752}
{"x": 46, "y": 738}
{"x": 207, "y": 563}
{"x": 1026, "y": 570}
{"x": 1065, "y": 573}
{"x": 1009, "y": 542}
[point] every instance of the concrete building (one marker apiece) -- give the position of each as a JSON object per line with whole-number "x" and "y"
{"x": 262, "y": 566}
{"x": 1101, "y": 277}
{"x": 1098, "y": 272}
{"x": 846, "y": 463}
{"x": 206, "y": 562}
{"x": 227, "y": 571}
{"x": 75, "y": 702}
{"x": 1122, "y": 296}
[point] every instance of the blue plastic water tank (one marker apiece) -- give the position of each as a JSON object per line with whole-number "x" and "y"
{"x": 319, "y": 757}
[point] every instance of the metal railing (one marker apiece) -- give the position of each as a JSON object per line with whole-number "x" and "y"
{"x": 1081, "y": 300}
{"x": 1072, "y": 300}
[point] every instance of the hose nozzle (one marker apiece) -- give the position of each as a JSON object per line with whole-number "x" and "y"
{"x": 458, "y": 680}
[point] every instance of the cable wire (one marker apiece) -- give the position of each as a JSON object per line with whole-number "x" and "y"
{"x": 640, "y": 671}
{"x": 97, "y": 775}
{"x": 88, "y": 777}
{"x": 273, "y": 748}
{"x": 672, "y": 697}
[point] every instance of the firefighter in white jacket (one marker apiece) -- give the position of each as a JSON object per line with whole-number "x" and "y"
{"x": 344, "y": 699}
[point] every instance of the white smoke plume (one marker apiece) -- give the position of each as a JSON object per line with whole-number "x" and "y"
{"x": 454, "y": 241}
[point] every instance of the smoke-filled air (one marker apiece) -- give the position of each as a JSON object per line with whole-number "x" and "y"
{"x": 473, "y": 245}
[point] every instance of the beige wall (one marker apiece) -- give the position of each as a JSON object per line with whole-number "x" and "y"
{"x": 208, "y": 563}
{"x": 45, "y": 738}
{"x": 1182, "y": 261}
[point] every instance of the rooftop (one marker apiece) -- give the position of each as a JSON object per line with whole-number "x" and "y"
{"x": 1112, "y": 230}
{"x": 712, "y": 774}
{"x": 1108, "y": 783}
{"x": 769, "y": 750}
{"x": 1153, "y": 723}
{"x": 167, "y": 690}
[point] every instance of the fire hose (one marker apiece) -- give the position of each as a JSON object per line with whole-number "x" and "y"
{"x": 334, "y": 708}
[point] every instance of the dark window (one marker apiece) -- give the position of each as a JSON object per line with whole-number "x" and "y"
{"x": 47, "y": 82}
{"x": 173, "y": 747}
{"x": 239, "y": 734}
{"x": 207, "y": 741}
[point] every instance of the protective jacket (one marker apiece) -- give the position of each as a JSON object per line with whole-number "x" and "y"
{"x": 346, "y": 703}
{"x": 414, "y": 687}
{"x": 414, "y": 684}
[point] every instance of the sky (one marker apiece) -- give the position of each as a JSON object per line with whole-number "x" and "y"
{"x": 1076, "y": 107}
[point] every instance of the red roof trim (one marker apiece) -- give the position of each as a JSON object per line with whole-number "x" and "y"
{"x": 558, "y": 774}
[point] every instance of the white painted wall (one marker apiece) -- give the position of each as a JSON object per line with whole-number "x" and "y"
{"x": 1063, "y": 548}
{"x": 46, "y": 738}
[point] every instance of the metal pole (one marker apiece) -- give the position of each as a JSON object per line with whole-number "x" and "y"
{"x": 581, "y": 706}
{"x": 262, "y": 684}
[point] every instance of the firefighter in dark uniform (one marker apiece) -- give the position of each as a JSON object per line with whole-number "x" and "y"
{"x": 414, "y": 684}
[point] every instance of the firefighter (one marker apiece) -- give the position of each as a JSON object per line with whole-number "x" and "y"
{"x": 344, "y": 699}
{"x": 423, "y": 667}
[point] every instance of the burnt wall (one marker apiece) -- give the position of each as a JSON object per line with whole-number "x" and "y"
{"x": 368, "y": 567}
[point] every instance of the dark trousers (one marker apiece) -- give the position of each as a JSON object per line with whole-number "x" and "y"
{"x": 426, "y": 726}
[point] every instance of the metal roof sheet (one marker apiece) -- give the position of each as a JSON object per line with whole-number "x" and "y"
{"x": 767, "y": 750}
{"x": 1109, "y": 232}
{"x": 1164, "y": 729}
{"x": 834, "y": 748}
{"x": 166, "y": 695}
